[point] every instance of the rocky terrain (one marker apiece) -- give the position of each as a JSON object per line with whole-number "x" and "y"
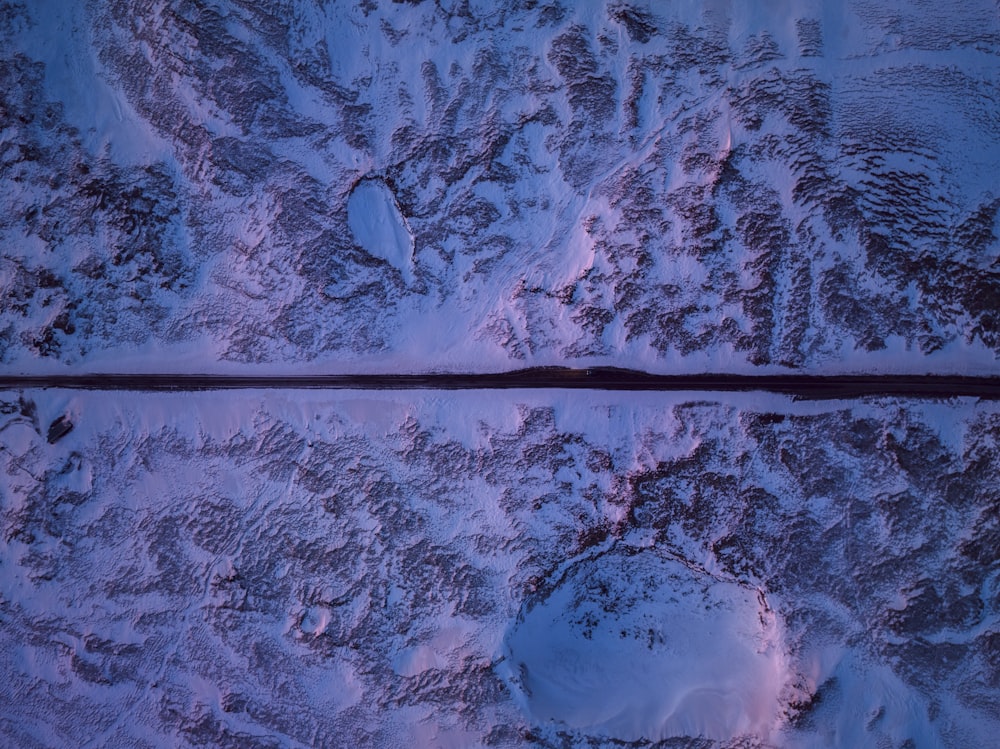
{"x": 668, "y": 187}
{"x": 253, "y": 569}
{"x": 295, "y": 187}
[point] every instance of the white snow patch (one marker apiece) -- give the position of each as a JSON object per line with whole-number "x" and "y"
{"x": 58, "y": 35}
{"x": 863, "y": 705}
{"x": 639, "y": 646}
{"x": 414, "y": 661}
{"x": 379, "y": 227}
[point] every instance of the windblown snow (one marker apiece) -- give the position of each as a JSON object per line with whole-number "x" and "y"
{"x": 675, "y": 187}
{"x": 232, "y": 186}
{"x": 379, "y": 227}
{"x": 532, "y": 569}
{"x": 639, "y": 645}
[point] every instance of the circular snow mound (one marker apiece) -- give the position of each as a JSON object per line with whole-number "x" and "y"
{"x": 634, "y": 645}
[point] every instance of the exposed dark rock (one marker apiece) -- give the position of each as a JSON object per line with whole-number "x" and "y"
{"x": 59, "y": 429}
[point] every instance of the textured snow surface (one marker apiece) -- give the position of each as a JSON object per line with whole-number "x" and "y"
{"x": 385, "y": 185}
{"x": 224, "y": 185}
{"x": 364, "y": 569}
{"x": 642, "y": 646}
{"x": 379, "y": 227}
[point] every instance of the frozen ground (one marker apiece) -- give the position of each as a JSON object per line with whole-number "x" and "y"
{"x": 361, "y": 569}
{"x": 296, "y": 186}
{"x": 214, "y": 184}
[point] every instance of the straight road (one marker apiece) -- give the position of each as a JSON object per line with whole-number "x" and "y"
{"x": 598, "y": 378}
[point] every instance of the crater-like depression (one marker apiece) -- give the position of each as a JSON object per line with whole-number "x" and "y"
{"x": 633, "y": 644}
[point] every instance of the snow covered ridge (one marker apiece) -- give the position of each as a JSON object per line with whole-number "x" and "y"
{"x": 671, "y": 187}
{"x": 253, "y": 569}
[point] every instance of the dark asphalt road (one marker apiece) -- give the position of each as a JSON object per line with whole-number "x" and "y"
{"x": 804, "y": 386}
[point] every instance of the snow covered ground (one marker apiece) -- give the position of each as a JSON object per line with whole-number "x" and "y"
{"x": 679, "y": 187}
{"x": 512, "y": 569}
{"x": 639, "y": 645}
{"x": 294, "y": 186}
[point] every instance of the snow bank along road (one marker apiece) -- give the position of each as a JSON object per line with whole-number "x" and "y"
{"x": 601, "y": 378}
